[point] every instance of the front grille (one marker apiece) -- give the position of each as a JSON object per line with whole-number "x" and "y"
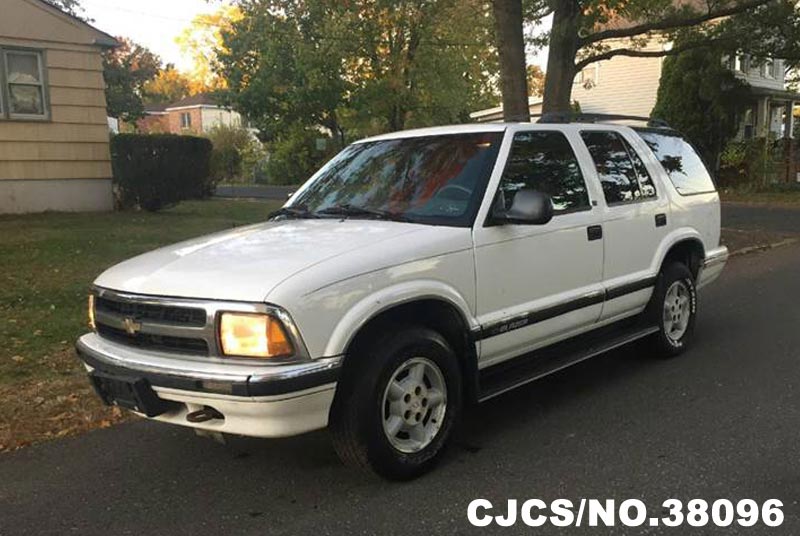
{"x": 154, "y": 342}
{"x": 148, "y": 312}
{"x": 154, "y": 323}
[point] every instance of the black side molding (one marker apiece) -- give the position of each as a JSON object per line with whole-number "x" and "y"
{"x": 541, "y": 315}
{"x": 532, "y": 317}
{"x": 629, "y": 288}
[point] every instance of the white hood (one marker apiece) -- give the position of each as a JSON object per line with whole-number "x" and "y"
{"x": 246, "y": 263}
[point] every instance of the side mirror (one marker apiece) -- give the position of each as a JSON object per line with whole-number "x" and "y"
{"x": 529, "y": 207}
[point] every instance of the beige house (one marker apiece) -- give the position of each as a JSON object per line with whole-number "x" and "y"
{"x": 54, "y": 134}
{"x": 629, "y": 86}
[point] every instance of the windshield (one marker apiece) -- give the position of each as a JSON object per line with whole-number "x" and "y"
{"x": 431, "y": 179}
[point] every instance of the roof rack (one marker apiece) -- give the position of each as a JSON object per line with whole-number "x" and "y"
{"x": 577, "y": 117}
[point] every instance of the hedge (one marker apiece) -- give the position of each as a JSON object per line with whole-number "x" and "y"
{"x": 153, "y": 171}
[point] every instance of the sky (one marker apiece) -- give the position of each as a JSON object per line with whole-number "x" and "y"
{"x": 156, "y": 23}
{"x": 152, "y": 23}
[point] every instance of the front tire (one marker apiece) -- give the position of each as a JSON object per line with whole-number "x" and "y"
{"x": 398, "y": 405}
{"x": 673, "y": 308}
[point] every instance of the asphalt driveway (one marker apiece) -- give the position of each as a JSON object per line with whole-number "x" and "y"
{"x": 718, "y": 422}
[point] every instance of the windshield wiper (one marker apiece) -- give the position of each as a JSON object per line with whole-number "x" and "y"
{"x": 292, "y": 212}
{"x": 350, "y": 211}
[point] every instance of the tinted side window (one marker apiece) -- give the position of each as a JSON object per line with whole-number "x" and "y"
{"x": 646, "y": 187}
{"x": 679, "y": 159}
{"x": 614, "y": 166}
{"x": 544, "y": 161}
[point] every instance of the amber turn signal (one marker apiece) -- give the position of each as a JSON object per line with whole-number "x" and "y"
{"x": 92, "y": 324}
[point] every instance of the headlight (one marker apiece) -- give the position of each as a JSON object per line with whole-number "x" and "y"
{"x": 91, "y": 312}
{"x": 253, "y": 335}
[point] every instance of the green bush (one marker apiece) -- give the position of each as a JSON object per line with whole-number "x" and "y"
{"x": 236, "y": 154}
{"x": 295, "y": 156}
{"x": 699, "y": 96}
{"x": 751, "y": 163}
{"x": 153, "y": 171}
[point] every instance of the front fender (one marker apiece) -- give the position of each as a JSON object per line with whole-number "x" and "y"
{"x": 374, "y": 304}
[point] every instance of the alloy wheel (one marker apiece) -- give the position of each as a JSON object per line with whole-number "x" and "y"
{"x": 677, "y": 311}
{"x": 414, "y": 405}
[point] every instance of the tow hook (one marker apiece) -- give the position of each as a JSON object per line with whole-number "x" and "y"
{"x": 204, "y": 415}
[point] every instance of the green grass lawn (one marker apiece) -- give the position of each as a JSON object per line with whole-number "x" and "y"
{"x": 47, "y": 264}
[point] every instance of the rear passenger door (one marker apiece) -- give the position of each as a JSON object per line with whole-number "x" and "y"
{"x": 635, "y": 219}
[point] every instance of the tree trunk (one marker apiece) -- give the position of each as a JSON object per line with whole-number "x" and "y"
{"x": 561, "y": 57}
{"x": 511, "y": 48}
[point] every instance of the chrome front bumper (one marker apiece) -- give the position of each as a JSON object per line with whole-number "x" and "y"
{"x": 206, "y": 374}
{"x": 255, "y": 400}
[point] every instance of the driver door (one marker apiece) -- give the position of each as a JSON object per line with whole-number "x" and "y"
{"x": 537, "y": 284}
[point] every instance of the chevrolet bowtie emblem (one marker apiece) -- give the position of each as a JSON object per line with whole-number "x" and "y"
{"x": 132, "y": 327}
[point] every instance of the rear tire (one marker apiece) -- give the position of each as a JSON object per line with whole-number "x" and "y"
{"x": 396, "y": 409}
{"x": 673, "y": 308}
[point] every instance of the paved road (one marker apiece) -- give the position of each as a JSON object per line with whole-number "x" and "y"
{"x": 257, "y": 192}
{"x": 720, "y": 421}
{"x": 761, "y": 217}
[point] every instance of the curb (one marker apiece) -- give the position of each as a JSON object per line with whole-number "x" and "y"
{"x": 763, "y": 247}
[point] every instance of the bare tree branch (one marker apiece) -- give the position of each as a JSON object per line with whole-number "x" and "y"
{"x": 635, "y": 53}
{"x": 543, "y": 13}
{"x": 672, "y": 23}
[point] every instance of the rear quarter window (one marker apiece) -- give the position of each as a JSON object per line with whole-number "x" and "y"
{"x": 684, "y": 166}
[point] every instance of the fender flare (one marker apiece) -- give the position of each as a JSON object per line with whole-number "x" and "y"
{"x": 682, "y": 234}
{"x": 387, "y": 298}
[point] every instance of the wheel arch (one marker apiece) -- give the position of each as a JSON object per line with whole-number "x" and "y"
{"x": 689, "y": 250}
{"x": 437, "y": 311}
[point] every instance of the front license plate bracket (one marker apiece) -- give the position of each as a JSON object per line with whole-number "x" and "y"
{"x": 131, "y": 393}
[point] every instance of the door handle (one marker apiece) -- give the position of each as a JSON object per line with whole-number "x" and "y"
{"x": 661, "y": 220}
{"x": 594, "y": 232}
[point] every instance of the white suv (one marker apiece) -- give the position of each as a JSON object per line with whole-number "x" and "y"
{"x": 415, "y": 273}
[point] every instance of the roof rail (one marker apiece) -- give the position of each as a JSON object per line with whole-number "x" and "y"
{"x": 577, "y": 117}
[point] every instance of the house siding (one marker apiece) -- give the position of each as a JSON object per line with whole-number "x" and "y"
{"x": 69, "y": 152}
{"x": 624, "y": 85}
{"x": 754, "y": 78}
